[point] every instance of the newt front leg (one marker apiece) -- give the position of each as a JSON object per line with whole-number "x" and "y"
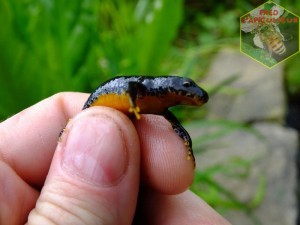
{"x": 134, "y": 88}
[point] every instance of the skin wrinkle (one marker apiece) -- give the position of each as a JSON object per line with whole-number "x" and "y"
{"x": 64, "y": 195}
{"x": 46, "y": 203}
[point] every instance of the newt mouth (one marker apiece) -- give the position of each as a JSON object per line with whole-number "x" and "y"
{"x": 189, "y": 98}
{"x": 199, "y": 99}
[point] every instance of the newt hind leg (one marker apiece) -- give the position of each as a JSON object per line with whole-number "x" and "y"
{"x": 181, "y": 132}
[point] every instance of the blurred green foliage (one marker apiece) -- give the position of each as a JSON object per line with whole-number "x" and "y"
{"x": 293, "y": 75}
{"x": 50, "y": 46}
{"x": 46, "y": 47}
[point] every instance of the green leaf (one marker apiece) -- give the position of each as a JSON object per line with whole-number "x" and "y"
{"x": 155, "y": 35}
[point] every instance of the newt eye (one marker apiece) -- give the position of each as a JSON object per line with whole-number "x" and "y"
{"x": 187, "y": 84}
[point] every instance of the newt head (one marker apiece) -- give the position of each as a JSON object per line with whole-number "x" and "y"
{"x": 186, "y": 91}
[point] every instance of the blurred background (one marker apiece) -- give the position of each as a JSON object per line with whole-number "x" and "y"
{"x": 245, "y": 138}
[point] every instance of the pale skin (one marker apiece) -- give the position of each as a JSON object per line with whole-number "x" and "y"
{"x": 102, "y": 166}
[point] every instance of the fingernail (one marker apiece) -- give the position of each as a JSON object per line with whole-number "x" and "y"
{"x": 95, "y": 151}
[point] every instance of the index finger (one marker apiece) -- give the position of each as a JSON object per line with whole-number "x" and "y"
{"x": 28, "y": 139}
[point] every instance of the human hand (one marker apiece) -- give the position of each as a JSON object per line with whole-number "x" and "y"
{"x": 104, "y": 170}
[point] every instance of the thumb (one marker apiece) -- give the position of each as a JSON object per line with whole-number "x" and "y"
{"x": 94, "y": 175}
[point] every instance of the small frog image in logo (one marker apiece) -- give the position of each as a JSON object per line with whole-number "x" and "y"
{"x": 269, "y": 34}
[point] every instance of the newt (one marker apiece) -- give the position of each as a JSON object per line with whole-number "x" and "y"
{"x": 137, "y": 95}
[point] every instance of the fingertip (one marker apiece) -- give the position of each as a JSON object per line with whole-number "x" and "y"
{"x": 165, "y": 166}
